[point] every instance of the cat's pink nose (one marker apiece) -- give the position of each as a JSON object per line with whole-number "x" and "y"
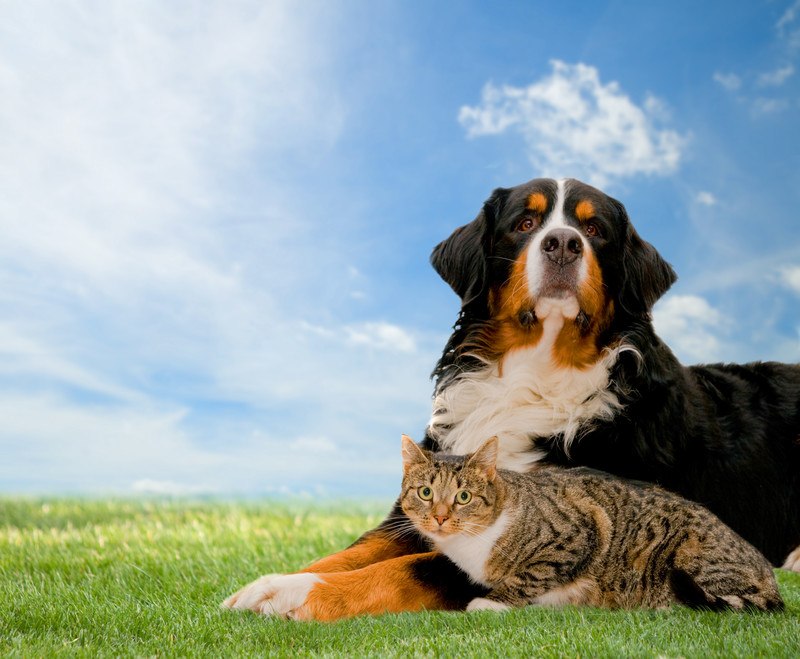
{"x": 442, "y": 518}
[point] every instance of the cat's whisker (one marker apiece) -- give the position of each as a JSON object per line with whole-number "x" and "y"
{"x": 399, "y": 530}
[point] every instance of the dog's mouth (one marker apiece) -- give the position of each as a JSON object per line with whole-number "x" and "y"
{"x": 559, "y": 284}
{"x": 568, "y": 309}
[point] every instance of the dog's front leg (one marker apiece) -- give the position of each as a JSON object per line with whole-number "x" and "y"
{"x": 406, "y": 583}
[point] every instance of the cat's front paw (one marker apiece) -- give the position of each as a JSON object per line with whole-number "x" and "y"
{"x": 275, "y": 595}
{"x": 483, "y": 604}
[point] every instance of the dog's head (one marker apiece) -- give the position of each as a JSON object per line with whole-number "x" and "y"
{"x": 552, "y": 245}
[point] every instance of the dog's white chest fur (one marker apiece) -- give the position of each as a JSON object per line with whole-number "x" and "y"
{"x": 471, "y": 552}
{"x": 531, "y": 398}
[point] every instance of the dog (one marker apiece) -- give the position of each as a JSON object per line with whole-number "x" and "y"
{"x": 554, "y": 352}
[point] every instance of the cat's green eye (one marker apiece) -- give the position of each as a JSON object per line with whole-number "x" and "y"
{"x": 463, "y": 497}
{"x": 425, "y": 493}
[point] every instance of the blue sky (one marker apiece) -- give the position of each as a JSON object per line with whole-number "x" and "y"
{"x": 216, "y": 225}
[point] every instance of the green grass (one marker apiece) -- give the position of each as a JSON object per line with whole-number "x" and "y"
{"x": 91, "y": 578}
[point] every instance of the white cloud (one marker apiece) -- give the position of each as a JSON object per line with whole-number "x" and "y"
{"x": 791, "y": 276}
{"x": 777, "y": 77}
{"x": 729, "y": 81}
{"x": 107, "y": 446}
{"x": 705, "y": 198}
{"x": 575, "y": 124}
{"x": 787, "y": 42}
{"x": 383, "y": 336}
{"x": 379, "y": 335}
{"x": 146, "y": 449}
{"x": 763, "y": 106}
{"x": 690, "y": 326}
{"x": 120, "y": 126}
{"x": 313, "y": 445}
{"x": 788, "y": 16}
{"x": 22, "y": 355}
{"x": 155, "y": 260}
{"x": 122, "y": 129}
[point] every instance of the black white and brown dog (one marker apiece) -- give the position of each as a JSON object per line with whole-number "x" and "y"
{"x": 554, "y": 353}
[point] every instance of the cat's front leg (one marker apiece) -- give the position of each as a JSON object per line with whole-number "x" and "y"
{"x": 581, "y": 591}
{"x": 500, "y": 598}
{"x": 486, "y": 604}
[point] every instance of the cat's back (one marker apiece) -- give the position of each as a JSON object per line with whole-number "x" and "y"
{"x": 623, "y": 512}
{"x": 571, "y": 483}
{"x": 637, "y": 532}
{"x": 550, "y": 483}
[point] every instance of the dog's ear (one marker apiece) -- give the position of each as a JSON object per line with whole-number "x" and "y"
{"x": 646, "y": 276}
{"x": 461, "y": 259}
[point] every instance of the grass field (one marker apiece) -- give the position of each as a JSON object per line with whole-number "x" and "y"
{"x": 146, "y": 578}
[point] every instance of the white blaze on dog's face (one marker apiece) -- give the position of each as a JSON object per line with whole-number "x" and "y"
{"x": 556, "y": 265}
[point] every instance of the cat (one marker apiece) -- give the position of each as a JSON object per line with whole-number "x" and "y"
{"x": 556, "y": 536}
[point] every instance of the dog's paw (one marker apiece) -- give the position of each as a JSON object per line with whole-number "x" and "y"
{"x": 275, "y": 595}
{"x": 483, "y": 604}
{"x": 793, "y": 561}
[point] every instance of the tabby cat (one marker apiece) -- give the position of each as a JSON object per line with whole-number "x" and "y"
{"x": 576, "y": 536}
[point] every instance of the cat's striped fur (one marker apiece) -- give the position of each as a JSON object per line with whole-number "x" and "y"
{"x": 577, "y": 536}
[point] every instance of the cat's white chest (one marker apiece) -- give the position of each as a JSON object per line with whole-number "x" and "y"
{"x": 471, "y": 552}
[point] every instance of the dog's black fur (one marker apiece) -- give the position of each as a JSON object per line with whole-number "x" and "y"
{"x": 726, "y": 436}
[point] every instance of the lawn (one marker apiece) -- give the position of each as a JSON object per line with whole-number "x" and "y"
{"x": 147, "y": 577}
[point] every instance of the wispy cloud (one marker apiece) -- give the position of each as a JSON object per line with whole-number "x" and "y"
{"x": 383, "y": 336}
{"x": 749, "y": 88}
{"x": 573, "y": 122}
{"x": 122, "y": 449}
{"x": 690, "y": 326}
{"x": 729, "y": 81}
{"x": 705, "y": 198}
{"x": 761, "y": 106}
{"x": 791, "y": 276}
{"x": 775, "y": 78}
{"x": 787, "y": 25}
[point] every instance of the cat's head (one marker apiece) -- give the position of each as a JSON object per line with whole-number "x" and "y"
{"x": 447, "y": 494}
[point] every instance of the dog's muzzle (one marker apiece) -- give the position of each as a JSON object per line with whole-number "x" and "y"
{"x": 562, "y": 255}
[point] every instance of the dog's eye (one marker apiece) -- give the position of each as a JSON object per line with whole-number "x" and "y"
{"x": 592, "y": 229}
{"x": 528, "y": 223}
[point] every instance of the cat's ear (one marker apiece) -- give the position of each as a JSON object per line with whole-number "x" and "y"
{"x": 485, "y": 458}
{"x": 412, "y": 453}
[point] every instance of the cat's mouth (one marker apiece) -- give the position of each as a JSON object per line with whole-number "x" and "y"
{"x": 443, "y": 531}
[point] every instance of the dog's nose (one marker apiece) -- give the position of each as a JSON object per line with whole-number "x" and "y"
{"x": 562, "y": 246}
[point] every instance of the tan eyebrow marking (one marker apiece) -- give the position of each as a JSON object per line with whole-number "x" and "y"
{"x": 537, "y": 203}
{"x": 584, "y": 210}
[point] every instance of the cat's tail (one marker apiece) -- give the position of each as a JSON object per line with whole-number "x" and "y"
{"x": 737, "y": 578}
{"x": 718, "y": 596}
